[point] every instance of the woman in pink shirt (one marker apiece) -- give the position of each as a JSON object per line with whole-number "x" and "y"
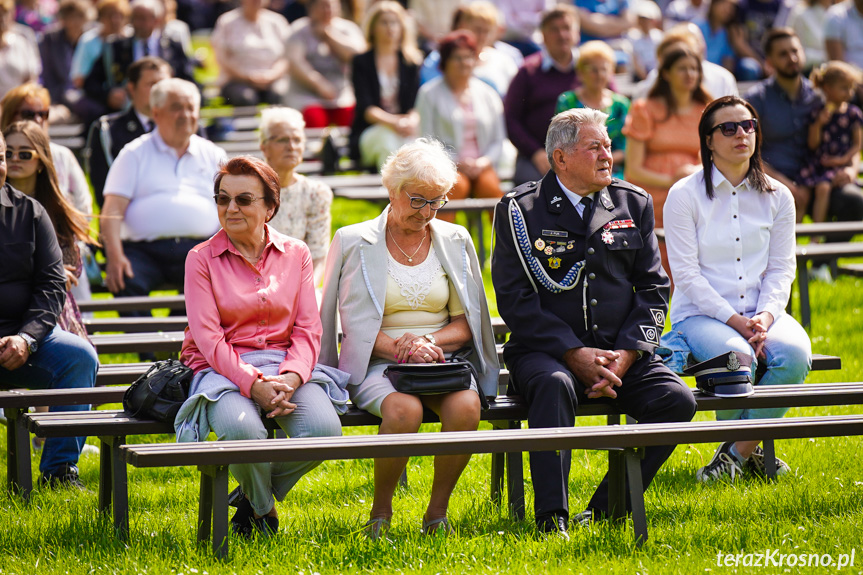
{"x": 253, "y": 339}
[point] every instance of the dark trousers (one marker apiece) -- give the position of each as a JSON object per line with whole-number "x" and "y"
{"x": 156, "y": 264}
{"x": 650, "y": 393}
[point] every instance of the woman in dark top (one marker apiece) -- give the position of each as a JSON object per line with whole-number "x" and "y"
{"x": 386, "y": 81}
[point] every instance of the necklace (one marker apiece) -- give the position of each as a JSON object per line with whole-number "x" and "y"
{"x": 396, "y": 244}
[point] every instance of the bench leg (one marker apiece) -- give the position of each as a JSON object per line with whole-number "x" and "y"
{"x": 616, "y": 486}
{"x": 205, "y": 507}
{"x": 636, "y": 495}
{"x": 105, "y": 474}
{"x": 19, "y": 477}
{"x": 769, "y": 457}
{"x": 119, "y": 488}
{"x": 803, "y": 286}
{"x": 220, "y": 512}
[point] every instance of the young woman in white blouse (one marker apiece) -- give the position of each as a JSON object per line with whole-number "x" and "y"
{"x": 730, "y": 235}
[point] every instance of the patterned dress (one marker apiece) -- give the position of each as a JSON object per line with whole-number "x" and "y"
{"x": 70, "y": 318}
{"x": 304, "y": 214}
{"x": 837, "y": 136}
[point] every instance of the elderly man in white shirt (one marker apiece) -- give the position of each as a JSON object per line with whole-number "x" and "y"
{"x": 159, "y": 195}
{"x": 730, "y": 235}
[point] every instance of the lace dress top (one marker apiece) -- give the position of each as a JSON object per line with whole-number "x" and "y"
{"x": 420, "y": 299}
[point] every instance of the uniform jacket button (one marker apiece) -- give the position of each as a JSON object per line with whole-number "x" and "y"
{"x": 591, "y": 276}
{"x": 590, "y": 251}
{"x": 593, "y": 302}
{"x": 595, "y": 327}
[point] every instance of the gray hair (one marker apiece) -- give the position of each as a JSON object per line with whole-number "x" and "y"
{"x": 154, "y": 6}
{"x": 280, "y": 115}
{"x": 564, "y": 128}
{"x": 161, "y": 89}
{"x": 423, "y": 162}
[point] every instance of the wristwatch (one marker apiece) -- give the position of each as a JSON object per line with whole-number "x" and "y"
{"x": 32, "y": 344}
{"x": 430, "y": 338}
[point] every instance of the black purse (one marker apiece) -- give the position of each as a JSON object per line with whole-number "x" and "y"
{"x": 159, "y": 393}
{"x": 434, "y": 378}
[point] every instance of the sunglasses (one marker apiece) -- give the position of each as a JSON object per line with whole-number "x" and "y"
{"x": 418, "y": 203}
{"x": 243, "y": 200}
{"x": 32, "y": 115}
{"x": 23, "y": 155}
{"x": 730, "y": 128}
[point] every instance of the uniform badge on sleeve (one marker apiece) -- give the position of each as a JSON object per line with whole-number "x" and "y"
{"x": 658, "y": 317}
{"x": 651, "y": 334}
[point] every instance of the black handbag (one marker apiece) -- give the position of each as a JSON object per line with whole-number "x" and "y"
{"x": 159, "y": 393}
{"x": 434, "y": 378}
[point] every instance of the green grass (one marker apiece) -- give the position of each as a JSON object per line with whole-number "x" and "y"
{"x": 818, "y": 508}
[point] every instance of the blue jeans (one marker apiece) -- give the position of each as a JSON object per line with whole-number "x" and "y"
{"x": 787, "y": 349}
{"x": 63, "y": 361}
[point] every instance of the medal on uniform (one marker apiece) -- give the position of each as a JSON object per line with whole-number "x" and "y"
{"x": 548, "y": 250}
{"x": 554, "y": 263}
{"x": 570, "y": 244}
{"x": 606, "y": 237}
{"x": 539, "y": 244}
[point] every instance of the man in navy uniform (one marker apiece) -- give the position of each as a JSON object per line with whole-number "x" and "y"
{"x": 578, "y": 279}
{"x": 111, "y": 132}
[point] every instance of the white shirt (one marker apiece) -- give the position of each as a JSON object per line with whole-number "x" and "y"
{"x": 169, "y": 196}
{"x": 70, "y": 176}
{"x": 250, "y": 46}
{"x": 845, "y": 23}
{"x": 732, "y": 254}
{"x": 574, "y": 198}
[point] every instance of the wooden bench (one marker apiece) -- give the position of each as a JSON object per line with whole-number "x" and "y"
{"x": 506, "y": 412}
{"x": 622, "y": 442}
{"x": 809, "y": 252}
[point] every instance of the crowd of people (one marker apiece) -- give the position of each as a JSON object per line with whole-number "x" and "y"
{"x": 446, "y": 99}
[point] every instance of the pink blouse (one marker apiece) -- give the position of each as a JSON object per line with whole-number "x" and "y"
{"x": 234, "y": 307}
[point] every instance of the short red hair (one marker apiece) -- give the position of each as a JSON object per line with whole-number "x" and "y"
{"x": 252, "y": 166}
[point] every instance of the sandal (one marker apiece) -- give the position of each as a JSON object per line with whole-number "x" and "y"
{"x": 376, "y": 528}
{"x": 439, "y": 525}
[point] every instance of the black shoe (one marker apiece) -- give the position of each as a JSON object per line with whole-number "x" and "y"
{"x": 244, "y": 523}
{"x": 586, "y": 517}
{"x": 66, "y": 476}
{"x": 552, "y": 523}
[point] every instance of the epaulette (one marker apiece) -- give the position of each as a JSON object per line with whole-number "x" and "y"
{"x": 521, "y": 190}
{"x": 627, "y": 186}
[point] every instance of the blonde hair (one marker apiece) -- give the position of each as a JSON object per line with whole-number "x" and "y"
{"x": 103, "y": 6}
{"x": 408, "y": 45}
{"x": 423, "y": 162}
{"x": 484, "y": 11}
{"x": 833, "y": 72}
{"x": 595, "y": 50}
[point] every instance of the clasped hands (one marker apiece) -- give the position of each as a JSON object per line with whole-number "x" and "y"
{"x": 601, "y": 369}
{"x": 410, "y": 348}
{"x": 754, "y": 329}
{"x": 273, "y": 393}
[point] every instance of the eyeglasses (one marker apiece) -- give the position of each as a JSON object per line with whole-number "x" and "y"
{"x": 242, "y": 200}
{"x": 32, "y": 114}
{"x": 23, "y": 155}
{"x": 418, "y": 203}
{"x": 730, "y": 128}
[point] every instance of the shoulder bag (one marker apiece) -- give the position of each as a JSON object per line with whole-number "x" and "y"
{"x": 159, "y": 393}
